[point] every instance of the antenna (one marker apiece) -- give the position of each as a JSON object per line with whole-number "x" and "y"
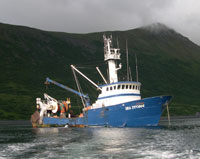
{"x": 136, "y": 67}
{"x": 127, "y": 67}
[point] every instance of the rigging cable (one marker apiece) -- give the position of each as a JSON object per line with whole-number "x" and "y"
{"x": 78, "y": 86}
{"x": 91, "y": 63}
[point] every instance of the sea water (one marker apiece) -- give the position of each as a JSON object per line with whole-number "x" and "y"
{"x": 180, "y": 140}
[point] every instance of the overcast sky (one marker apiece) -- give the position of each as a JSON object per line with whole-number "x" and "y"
{"x": 83, "y": 16}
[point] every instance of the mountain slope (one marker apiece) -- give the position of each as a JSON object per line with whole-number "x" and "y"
{"x": 168, "y": 64}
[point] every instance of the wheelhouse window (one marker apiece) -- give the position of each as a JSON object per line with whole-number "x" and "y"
{"x": 119, "y": 86}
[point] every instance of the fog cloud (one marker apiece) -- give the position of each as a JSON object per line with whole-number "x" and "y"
{"x": 83, "y": 16}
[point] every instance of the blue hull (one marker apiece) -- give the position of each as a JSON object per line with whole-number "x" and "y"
{"x": 144, "y": 112}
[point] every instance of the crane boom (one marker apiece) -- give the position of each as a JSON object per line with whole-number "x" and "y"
{"x": 69, "y": 89}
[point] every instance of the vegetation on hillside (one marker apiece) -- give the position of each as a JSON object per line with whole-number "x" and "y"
{"x": 168, "y": 64}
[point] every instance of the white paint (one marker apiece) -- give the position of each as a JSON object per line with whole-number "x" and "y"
{"x": 135, "y": 107}
{"x": 111, "y": 55}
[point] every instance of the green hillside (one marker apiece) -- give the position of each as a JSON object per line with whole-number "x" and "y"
{"x": 168, "y": 64}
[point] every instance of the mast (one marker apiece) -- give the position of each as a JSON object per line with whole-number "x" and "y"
{"x": 111, "y": 55}
{"x": 136, "y": 67}
{"x": 130, "y": 74}
{"x": 117, "y": 43}
{"x": 127, "y": 65}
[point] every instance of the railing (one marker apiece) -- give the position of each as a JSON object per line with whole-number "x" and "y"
{"x": 112, "y": 56}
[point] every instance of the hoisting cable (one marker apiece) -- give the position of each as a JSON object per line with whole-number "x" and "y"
{"x": 77, "y": 98}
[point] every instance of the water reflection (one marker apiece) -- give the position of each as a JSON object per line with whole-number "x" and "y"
{"x": 45, "y": 130}
{"x": 181, "y": 140}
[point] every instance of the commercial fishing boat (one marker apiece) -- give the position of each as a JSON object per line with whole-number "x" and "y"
{"x": 119, "y": 103}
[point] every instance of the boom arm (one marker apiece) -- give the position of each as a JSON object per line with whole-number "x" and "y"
{"x": 69, "y": 89}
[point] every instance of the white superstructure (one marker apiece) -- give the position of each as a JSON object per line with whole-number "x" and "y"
{"x": 111, "y": 55}
{"x": 115, "y": 92}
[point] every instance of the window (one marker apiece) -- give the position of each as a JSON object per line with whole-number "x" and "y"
{"x": 133, "y": 86}
{"x": 111, "y": 88}
{"x": 126, "y": 86}
{"x": 130, "y": 86}
{"x": 118, "y": 87}
{"x": 106, "y": 88}
{"x": 123, "y": 86}
{"x": 114, "y": 87}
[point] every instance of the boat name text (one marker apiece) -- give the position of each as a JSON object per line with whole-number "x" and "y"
{"x": 135, "y": 107}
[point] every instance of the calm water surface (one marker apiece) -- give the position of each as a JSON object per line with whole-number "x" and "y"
{"x": 181, "y": 140}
